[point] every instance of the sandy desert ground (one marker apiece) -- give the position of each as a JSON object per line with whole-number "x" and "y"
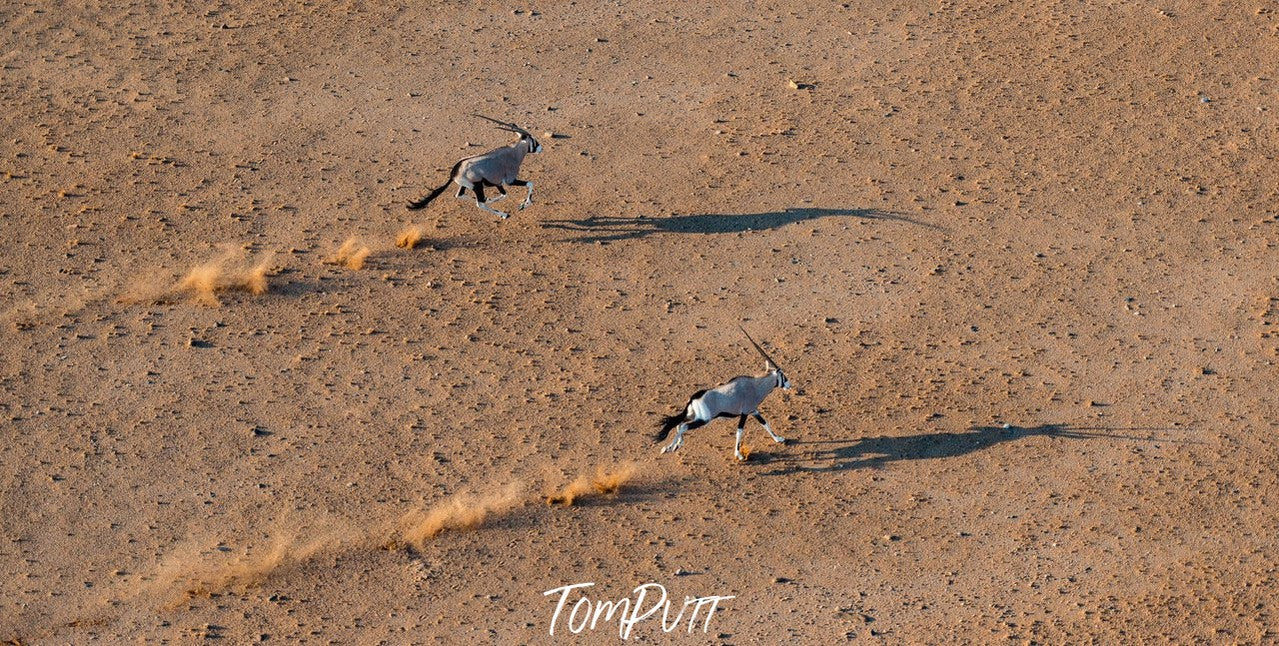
{"x": 1019, "y": 259}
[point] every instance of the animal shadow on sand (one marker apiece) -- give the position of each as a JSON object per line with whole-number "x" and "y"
{"x": 610, "y": 228}
{"x": 875, "y": 452}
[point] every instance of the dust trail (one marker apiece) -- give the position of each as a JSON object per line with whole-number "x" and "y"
{"x": 203, "y": 568}
{"x": 189, "y": 571}
{"x": 460, "y": 511}
{"x": 183, "y": 576}
{"x": 351, "y": 255}
{"x": 232, "y": 270}
{"x": 603, "y": 482}
{"x": 409, "y": 237}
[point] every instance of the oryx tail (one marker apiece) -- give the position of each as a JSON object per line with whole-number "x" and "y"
{"x": 667, "y": 423}
{"x": 418, "y": 204}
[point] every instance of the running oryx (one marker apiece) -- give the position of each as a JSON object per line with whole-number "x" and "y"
{"x": 496, "y": 168}
{"x": 739, "y": 397}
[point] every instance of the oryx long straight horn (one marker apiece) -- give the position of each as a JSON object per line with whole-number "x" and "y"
{"x": 497, "y": 168}
{"x": 768, "y": 361}
{"x": 738, "y": 397}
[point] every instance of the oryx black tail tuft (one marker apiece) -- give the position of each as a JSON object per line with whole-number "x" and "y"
{"x": 418, "y": 204}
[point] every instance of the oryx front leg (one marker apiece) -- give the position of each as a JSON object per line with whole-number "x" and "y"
{"x": 776, "y": 438}
{"x": 528, "y": 199}
{"x": 741, "y": 430}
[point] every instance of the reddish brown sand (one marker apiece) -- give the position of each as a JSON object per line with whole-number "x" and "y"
{"x": 941, "y": 217}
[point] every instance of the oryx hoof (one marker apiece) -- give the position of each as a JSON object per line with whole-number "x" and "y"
{"x": 740, "y": 457}
{"x": 667, "y": 449}
{"x": 780, "y": 440}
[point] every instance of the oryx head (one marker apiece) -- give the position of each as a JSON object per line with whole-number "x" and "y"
{"x": 525, "y": 136}
{"x": 769, "y": 365}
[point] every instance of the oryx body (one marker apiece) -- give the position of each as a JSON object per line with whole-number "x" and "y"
{"x": 497, "y": 168}
{"x": 739, "y": 397}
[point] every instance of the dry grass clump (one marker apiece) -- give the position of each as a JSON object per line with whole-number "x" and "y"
{"x": 603, "y": 482}
{"x": 351, "y": 255}
{"x": 410, "y": 237}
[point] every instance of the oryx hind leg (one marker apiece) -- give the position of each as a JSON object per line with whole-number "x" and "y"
{"x": 483, "y": 204}
{"x": 677, "y": 440}
{"x": 684, "y": 427}
{"x": 776, "y": 438}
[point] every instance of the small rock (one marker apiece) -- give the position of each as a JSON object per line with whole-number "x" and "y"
{"x": 781, "y": 579}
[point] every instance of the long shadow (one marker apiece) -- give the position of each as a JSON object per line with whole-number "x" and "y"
{"x": 609, "y": 228}
{"x": 875, "y": 452}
